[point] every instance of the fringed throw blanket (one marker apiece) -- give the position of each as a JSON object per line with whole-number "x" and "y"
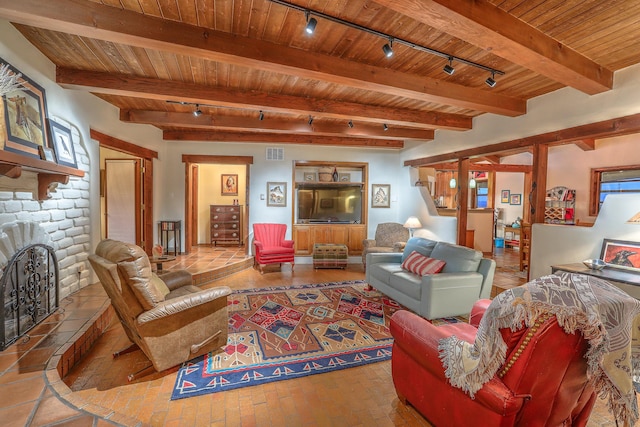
{"x": 608, "y": 318}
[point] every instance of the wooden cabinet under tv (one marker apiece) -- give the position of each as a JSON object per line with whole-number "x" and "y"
{"x": 306, "y": 235}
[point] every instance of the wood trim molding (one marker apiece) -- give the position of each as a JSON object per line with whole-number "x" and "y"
{"x": 113, "y": 143}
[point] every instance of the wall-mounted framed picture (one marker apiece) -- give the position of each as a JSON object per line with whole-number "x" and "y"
{"x": 277, "y": 194}
{"x": 380, "y": 195}
{"x": 504, "y": 196}
{"x": 515, "y": 199}
{"x": 46, "y": 153}
{"x": 62, "y": 144}
{"x": 25, "y": 114}
{"x": 344, "y": 177}
{"x": 310, "y": 176}
{"x": 621, "y": 254}
{"x": 229, "y": 184}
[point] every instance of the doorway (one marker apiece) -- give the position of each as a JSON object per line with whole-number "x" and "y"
{"x": 197, "y": 169}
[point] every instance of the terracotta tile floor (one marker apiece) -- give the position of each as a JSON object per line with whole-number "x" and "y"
{"x": 96, "y": 391}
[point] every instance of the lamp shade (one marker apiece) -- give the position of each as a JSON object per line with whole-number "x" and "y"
{"x": 412, "y": 222}
{"x": 452, "y": 183}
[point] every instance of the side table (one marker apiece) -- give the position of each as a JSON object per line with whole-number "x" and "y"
{"x": 627, "y": 281}
{"x": 159, "y": 260}
{"x": 166, "y": 228}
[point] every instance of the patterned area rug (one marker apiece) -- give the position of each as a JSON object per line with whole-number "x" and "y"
{"x": 288, "y": 332}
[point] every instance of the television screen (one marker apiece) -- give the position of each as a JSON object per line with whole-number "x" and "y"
{"x": 329, "y": 204}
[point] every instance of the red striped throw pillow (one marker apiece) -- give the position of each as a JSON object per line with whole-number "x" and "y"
{"x": 421, "y": 265}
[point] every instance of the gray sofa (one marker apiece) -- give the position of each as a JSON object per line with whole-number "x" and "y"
{"x": 466, "y": 278}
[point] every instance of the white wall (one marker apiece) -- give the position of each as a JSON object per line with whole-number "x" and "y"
{"x": 563, "y": 244}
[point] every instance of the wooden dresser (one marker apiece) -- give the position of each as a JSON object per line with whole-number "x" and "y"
{"x": 226, "y": 224}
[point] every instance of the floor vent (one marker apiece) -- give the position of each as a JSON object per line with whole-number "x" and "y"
{"x": 275, "y": 153}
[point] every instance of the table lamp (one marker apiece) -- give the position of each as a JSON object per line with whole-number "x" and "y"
{"x": 412, "y": 223}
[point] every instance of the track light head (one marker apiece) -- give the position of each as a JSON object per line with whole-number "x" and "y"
{"x": 350, "y": 123}
{"x": 197, "y": 111}
{"x": 261, "y": 117}
{"x": 448, "y": 69}
{"x": 310, "y": 120}
{"x": 385, "y": 127}
{"x": 388, "y": 48}
{"x": 311, "y": 24}
{"x": 490, "y": 80}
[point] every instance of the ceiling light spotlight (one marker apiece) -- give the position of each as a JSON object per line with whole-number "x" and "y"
{"x": 197, "y": 111}
{"x": 490, "y": 81}
{"x": 449, "y": 67}
{"x": 388, "y": 48}
{"x": 310, "y": 120}
{"x": 350, "y": 123}
{"x": 311, "y": 24}
{"x": 385, "y": 127}
{"x": 261, "y": 116}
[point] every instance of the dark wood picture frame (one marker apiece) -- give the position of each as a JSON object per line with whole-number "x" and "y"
{"x": 46, "y": 153}
{"x": 62, "y": 143}
{"x": 229, "y": 184}
{"x": 25, "y": 113}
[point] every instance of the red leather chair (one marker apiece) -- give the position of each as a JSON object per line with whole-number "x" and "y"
{"x": 543, "y": 382}
{"x": 270, "y": 246}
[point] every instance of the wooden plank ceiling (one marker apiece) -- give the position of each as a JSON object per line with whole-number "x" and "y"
{"x": 258, "y": 77}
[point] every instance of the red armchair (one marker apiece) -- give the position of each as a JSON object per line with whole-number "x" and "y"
{"x": 270, "y": 246}
{"x": 545, "y": 383}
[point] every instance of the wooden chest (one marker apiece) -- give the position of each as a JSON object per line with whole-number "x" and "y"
{"x": 226, "y": 224}
{"x": 330, "y": 255}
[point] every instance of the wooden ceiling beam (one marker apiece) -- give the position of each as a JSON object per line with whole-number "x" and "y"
{"x": 483, "y": 167}
{"x": 491, "y": 159}
{"x": 277, "y": 125}
{"x": 278, "y": 138}
{"x": 586, "y": 144}
{"x": 168, "y": 90}
{"x": 482, "y": 24}
{"x": 605, "y": 129}
{"x": 89, "y": 19}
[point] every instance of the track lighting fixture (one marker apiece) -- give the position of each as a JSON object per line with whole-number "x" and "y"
{"x": 311, "y": 23}
{"x": 310, "y": 120}
{"x": 385, "y": 127}
{"x": 490, "y": 80}
{"x": 350, "y": 123}
{"x": 449, "y": 67}
{"x": 197, "y": 112}
{"x": 261, "y": 117}
{"x": 388, "y": 48}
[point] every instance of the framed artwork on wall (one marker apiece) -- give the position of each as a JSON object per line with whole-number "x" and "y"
{"x": 62, "y": 144}
{"x": 622, "y": 254}
{"x": 380, "y": 195}
{"x": 46, "y": 153}
{"x": 516, "y": 199}
{"x": 277, "y": 194}
{"x": 25, "y": 113}
{"x": 504, "y": 196}
{"x": 344, "y": 177}
{"x": 229, "y": 184}
{"x": 310, "y": 176}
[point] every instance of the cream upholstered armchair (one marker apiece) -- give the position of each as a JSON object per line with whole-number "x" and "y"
{"x": 167, "y": 317}
{"x": 390, "y": 237}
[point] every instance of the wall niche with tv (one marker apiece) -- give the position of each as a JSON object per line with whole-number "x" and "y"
{"x": 330, "y": 204}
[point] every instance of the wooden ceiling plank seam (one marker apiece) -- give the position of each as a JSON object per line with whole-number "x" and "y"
{"x": 480, "y": 23}
{"x": 169, "y": 10}
{"x": 604, "y": 129}
{"x": 179, "y": 91}
{"x": 121, "y": 26}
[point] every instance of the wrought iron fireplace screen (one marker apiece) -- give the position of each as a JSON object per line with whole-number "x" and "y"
{"x": 29, "y": 286}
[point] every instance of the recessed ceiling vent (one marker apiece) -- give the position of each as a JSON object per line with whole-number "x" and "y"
{"x": 274, "y": 153}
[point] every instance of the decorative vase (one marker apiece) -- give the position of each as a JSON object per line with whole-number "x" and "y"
{"x": 157, "y": 251}
{"x": 335, "y": 174}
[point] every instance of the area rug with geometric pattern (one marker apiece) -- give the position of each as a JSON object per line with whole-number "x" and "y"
{"x": 280, "y": 333}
